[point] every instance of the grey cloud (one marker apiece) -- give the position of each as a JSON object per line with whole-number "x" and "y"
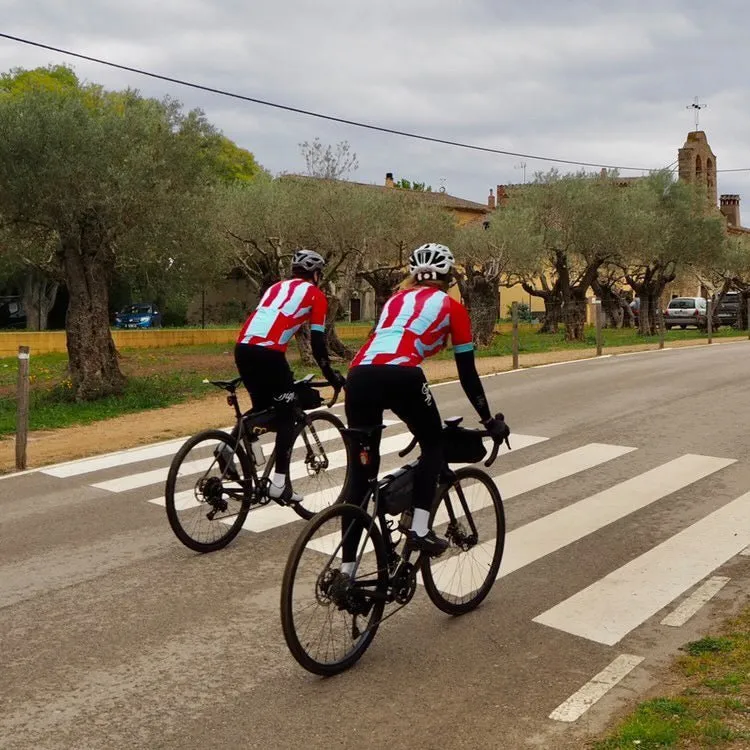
{"x": 580, "y": 79}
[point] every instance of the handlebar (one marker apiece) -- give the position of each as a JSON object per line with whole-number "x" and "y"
{"x": 483, "y": 433}
{"x": 326, "y": 384}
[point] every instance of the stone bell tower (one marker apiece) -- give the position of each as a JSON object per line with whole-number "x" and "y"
{"x": 697, "y": 163}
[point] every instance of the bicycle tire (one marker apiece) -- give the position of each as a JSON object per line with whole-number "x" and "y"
{"x": 335, "y": 488}
{"x": 336, "y": 515}
{"x": 228, "y": 530}
{"x": 447, "y": 568}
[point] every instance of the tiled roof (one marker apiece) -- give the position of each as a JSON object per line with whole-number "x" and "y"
{"x": 435, "y": 198}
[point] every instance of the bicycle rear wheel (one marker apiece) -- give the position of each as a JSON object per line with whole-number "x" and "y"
{"x": 469, "y": 514}
{"x": 329, "y": 621}
{"x": 205, "y": 494}
{"x": 320, "y": 463}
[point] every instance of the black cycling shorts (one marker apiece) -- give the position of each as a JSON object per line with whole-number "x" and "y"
{"x": 266, "y": 375}
{"x": 370, "y": 390}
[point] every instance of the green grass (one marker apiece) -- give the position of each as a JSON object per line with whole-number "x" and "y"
{"x": 531, "y": 342}
{"x": 162, "y": 377}
{"x": 712, "y": 708}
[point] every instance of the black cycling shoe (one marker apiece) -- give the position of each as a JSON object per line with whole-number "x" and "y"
{"x": 431, "y": 544}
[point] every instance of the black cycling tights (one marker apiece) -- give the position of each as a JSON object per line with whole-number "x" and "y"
{"x": 269, "y": 381}
{"x": 370, "y": 389}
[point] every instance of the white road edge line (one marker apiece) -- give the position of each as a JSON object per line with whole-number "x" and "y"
{"x": 595, "y": 689}
{"x": 702, "y": 595}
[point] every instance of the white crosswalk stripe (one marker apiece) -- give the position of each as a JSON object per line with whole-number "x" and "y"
{"x": 609, "y": 609}
{"x": 603, "y": 612}
{"x": 534, "y": 476}
{"x": 272, "y": 515}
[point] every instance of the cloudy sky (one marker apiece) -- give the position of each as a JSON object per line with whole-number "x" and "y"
{"x": 594, "y": 81}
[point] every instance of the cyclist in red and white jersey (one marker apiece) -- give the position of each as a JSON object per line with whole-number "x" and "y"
{"x": 261, "y": 348}
{"x": 386, "y": 374}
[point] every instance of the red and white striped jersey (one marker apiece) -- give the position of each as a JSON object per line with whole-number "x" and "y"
{"x": 415, "y": 323}
{"x": 281, "y": 311}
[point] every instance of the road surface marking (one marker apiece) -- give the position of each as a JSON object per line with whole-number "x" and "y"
{"x": 611, "y": 607}
{"x": 149, "y": 452}
{"x": 273, "y": 515}
{"x": 596, "y": 688}
{"x": 695, "y": 601}
{"x": 552, "y": 532}
{"x": 567, "y": 525}
{"x": 537, "y": 475}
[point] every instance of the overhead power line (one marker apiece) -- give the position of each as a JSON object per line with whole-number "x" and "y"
{"x": 309, "y": 113}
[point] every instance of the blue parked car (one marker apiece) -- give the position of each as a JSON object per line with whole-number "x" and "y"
{"x": 139, "y": 315}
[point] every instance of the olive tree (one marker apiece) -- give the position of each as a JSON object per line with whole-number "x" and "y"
{"x": 558, "y": 232}
{"x": 111, "y": 179}
{"x": 670, "y": 229}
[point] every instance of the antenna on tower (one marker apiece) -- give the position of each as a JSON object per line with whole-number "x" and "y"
{"x": 696, "y": 106}
{"x": 521, "y": 165}
{"x": 442, "y": 184}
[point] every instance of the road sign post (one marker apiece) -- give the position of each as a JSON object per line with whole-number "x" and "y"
{"x": 22, "y": 407}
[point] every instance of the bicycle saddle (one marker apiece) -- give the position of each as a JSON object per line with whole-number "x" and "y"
{"x": 227, "y": 385}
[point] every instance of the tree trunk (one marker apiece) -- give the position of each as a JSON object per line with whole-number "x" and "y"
{"x": 336, "y": 346}
{"x": 613, "y": 305}
{"x": 480, "y": 293}
{"x": 574, "y": 313}
{"x": 552, "y": 304}
{"x": 742, "y": 314}
{"x": 92, "y": 357}
{"x": 39, "y": 294}
{"x": 383, "y": 282}
{"x": 303, "y": 344}
{"x": 552, "y": 314}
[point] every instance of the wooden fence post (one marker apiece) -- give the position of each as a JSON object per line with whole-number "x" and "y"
{"x": 514, "y": 317}
{"x": 660, "y": 321}
{"x": 22, "y": 407}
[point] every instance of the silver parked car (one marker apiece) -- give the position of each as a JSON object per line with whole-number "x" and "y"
{"x": 684, "y": 312}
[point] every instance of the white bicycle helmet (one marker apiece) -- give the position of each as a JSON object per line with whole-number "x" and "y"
{"x": 308, "y": 261}
{"x": 431, "y": 261}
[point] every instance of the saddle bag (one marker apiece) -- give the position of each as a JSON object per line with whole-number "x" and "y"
{"x": 462, "y": 446}
{"x": 307, "y": 397}
{"x": 396, "y": 490}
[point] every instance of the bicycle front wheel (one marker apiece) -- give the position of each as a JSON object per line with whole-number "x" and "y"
{"x": 320, "y": 463}
{"x": 469, "y": 514}
{"x": 329, "y": 620}
{"x": 206, "y": 497}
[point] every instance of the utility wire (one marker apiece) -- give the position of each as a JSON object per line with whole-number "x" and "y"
{"x": 309, "y": 113}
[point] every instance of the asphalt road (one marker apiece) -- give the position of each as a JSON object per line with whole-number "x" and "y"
{"x": 631, "y": 507}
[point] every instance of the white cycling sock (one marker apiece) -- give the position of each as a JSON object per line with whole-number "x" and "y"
{"x": 347, "y": 568}
{"x": 419, "y": 521}
{"x": 279, "y": 479}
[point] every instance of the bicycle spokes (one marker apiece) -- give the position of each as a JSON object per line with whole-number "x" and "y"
{"x": 470, "y": 517}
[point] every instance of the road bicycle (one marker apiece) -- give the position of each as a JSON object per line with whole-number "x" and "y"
{"x": 329, "y": 619}
{"x": 214, "y": 478}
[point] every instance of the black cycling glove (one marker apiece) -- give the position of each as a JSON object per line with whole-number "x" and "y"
{"x": 497, "y": 428}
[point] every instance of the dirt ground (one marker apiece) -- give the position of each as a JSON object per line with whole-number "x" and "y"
{"x": 132, "y": 430}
